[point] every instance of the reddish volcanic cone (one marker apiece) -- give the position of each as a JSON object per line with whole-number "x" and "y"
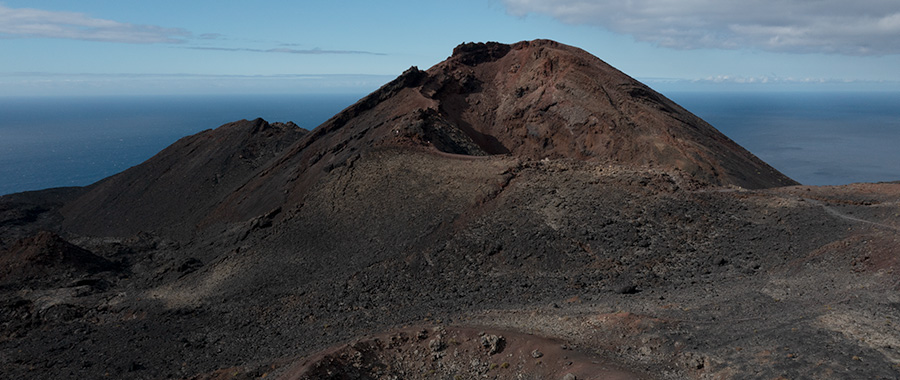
{"x": 533, "y": 100}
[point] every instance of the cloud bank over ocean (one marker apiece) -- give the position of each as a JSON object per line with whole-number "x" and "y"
{"x": 796, "y": 26}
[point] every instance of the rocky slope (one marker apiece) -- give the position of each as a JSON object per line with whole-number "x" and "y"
{"x": 517, "y": 211}
{"x": 534, "y": 100}
{"x": 175, "y": 191}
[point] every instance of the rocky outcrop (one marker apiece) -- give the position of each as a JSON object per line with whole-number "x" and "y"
{"x": 47, "y": 255}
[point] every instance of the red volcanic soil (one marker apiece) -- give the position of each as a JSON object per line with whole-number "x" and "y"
{"x": 458, "y": 353}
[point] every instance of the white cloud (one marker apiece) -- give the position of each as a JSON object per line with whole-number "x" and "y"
{"x": 314, "y": 51}
{"x": 765, "y": 79}
{"x": 865, "y": 27}
{"x": 762, "y": 80}
{"x": 37, "y": 23}
{"x": 20, "y": 84}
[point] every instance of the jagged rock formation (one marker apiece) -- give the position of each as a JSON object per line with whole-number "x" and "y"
{"x": 509, "y": 199}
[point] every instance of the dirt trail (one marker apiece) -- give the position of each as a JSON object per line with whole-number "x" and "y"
{"x": 831, "y": 211}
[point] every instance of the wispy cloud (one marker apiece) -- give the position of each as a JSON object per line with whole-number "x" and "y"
{"x": 768, "y": 80}
{"x": 20, "y": 84}
{"x": 286, "y": 50}
{"x": 764, "y": 80}
{"x": 867, "y": 27}
{"x": 44, "y": 74}
{"x": 211, "y": 36}
{"x": 37, "y": 23}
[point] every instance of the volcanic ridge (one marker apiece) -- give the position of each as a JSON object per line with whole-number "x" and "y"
{"x": 520, "y": 211}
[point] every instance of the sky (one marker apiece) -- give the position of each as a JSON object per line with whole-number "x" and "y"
{"x": 130, "y": 47}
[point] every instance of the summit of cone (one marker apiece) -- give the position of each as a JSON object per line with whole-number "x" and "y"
{"x": 534, "y": 100}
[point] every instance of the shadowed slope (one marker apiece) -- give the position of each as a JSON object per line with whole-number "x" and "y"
{"x": 176, "y": 190}
{"x": 46, "y": 254}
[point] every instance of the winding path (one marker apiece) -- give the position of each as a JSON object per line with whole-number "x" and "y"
{"x": 831, "y": 211}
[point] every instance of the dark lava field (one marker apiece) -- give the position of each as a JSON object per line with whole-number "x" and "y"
{"x": 519, "y": 211}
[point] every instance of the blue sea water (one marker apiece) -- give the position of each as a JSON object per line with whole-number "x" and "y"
{"x": 815, "y": 138}
{"x": 54, "y": 142}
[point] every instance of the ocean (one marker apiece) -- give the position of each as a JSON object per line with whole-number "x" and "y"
{"x": 815, "y": 138}
{"x": 54, "y": 142}
{"x": 831, "y": 138}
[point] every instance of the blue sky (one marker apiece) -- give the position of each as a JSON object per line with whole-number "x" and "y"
{"x": 123, "y": 47}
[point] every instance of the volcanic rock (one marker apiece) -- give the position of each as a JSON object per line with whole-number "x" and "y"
{"x": 461, "y": 199}
{"x": 46, "y": 254}
{"x": 534, "y": 100}
{"x": 182, "y": 187}
{"x": 530, "y": 100}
